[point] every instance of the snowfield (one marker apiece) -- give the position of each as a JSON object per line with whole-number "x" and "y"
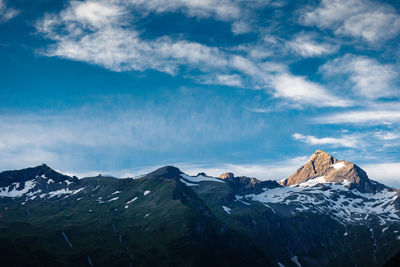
{"x": 344, "y": 205}
{"x": 200, "y": 178}
{"x": 15, "y": 190}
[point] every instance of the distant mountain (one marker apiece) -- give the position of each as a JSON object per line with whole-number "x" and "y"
{"x": 328, "y": 213}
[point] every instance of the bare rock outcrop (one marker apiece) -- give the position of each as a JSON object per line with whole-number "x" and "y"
{"x": 227, "y": 175}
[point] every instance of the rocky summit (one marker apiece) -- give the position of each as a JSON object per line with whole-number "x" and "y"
{"x": 327, "y": 213}
{"x": 324, "y": 166}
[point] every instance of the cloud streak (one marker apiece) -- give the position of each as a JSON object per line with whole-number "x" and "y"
{"x": 343, "y": 141}
{"x": 7, "y": 13}
{"x": 127, "y": 128}
{"x": 307, "y": 46}
{"x": 372, "y": 116}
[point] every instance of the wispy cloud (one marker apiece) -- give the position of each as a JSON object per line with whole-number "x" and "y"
{"x": 300, "y": 90}
{"x": 371, "y": 116}
{"x": 342, "y": 141}
{"x": 98, "y": 38}
{"x": 125, "y": 128}
{"x": 7, "y": 13}
{"x": 371, "y": 21}
{"x": 234, "y": 80}
{"x": 240, "y": 27}
{"x": 366, "y": 76}
{"x": 306, "y": 45}
{"x": 387, "y": 135}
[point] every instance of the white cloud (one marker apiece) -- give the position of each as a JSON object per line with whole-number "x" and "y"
{"x": 386, "y": 173}
{"x": 343, "y": 141}
{"x": 387, "y": 136}
{"x": 234, "y": 80}
{"x": 307, "y": 46}
{"x": 240, "y": 27}
{"x": 372, "y": 116}
{"x": 100, "y": 33}
{"x": 364, "y": 19}
{"x": 367, "y": 77}
{"x": 300, "y": 90}
{"x": 7, "y": 13}
{"x": 95, "y": 33}
{"x": 94, "y": 13}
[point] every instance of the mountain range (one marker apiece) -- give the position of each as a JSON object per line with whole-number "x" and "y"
{"x": 327, "y": 213}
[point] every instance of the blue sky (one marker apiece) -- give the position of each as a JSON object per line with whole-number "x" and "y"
{"x": 253, "y": 87}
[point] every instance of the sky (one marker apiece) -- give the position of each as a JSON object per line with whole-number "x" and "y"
{"x": 253, "y": 87}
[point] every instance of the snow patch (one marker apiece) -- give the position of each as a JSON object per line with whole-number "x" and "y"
{"x": 201, "y": 178}
{"x": 187, "y": 183}
{"x": 268, "y": 206}
{"x": 12, "y": 191}
{"x": 226, "y": 209}
{"x": 62, "y": 192}
{"x": 339, "y": 165}
{"x": 312, "y": 182}
{"x": 146, "y": 192}
{"x": 240, "y": 199}
{"x": 129, "y": 202}
{"x": 113, "y": 199}
{"x": 66, "y": 239}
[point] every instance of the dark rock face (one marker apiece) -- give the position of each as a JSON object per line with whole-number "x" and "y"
{"x": 393, "y": 262}
{"x": 249, "y": 185}
{"x": 167, "y": 172}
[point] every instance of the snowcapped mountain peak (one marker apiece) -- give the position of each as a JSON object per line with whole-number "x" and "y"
{"x": 334, "y": 171}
